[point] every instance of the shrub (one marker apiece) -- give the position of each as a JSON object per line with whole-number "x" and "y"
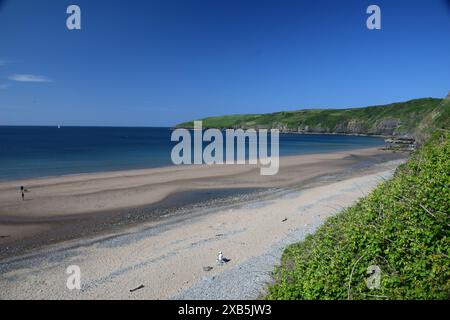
{"x": 403, "y": 227}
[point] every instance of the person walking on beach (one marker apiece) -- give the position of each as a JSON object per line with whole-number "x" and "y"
{"x": 22, "y": 190}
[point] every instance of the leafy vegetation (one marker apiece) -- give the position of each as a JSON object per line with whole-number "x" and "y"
{"x": 393, "y": 119}
{"x": 403, "y": 227}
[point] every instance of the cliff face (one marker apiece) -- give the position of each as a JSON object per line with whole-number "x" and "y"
{"x": 385, "y": 127}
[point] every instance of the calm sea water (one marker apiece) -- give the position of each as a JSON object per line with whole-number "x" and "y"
{"x": 29, "y": 152}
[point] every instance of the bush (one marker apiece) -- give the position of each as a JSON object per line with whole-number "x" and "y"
{"x": 402, "y": 227}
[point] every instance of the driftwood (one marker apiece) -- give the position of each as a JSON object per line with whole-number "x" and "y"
{"x": 138, "y": 288}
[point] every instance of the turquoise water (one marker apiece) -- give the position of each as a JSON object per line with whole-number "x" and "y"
{"x": 30, "y": 152}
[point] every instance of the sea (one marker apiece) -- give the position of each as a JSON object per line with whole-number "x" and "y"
{"x": 37, "y": 151}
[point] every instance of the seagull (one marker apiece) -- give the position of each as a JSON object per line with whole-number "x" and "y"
{"x": 221, "y": 258}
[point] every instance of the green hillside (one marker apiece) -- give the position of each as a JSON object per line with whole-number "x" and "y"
{"x": 395, "y": 119}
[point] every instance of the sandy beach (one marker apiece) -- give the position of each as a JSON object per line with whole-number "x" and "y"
{"x": 90, "y": 221}
{"x": 68, "y": 207}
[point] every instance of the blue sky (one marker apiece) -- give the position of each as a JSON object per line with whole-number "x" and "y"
{"x": 157, "y": 63}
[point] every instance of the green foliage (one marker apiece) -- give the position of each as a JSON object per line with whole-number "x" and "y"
{"x": 403, "y": 227}
{"x": 408, "y": 115}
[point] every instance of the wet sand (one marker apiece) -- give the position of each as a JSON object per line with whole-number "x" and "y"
{"x": 70, "y": 207}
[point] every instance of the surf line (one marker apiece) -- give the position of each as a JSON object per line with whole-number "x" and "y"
{"x": 235, "y": 140}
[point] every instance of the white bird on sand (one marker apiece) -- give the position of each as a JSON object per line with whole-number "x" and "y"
{"x": 221, "y": 258}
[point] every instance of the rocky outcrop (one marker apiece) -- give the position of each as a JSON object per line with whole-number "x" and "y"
{"x": 387, "y": 127}
{"x": 401, "y": 144}
{"x": 355, "y": 127}
{"x": 313, "y": 129}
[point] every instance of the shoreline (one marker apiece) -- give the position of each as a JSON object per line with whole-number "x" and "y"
{"x": 23, "y": 179}
{"x": 151, "y": 195}
{"x": 305, "y": 133}
{"x": 167, "y": 257}
{"x": 18, "y": 180}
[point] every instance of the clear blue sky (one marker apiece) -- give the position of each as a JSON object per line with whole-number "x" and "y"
{"x": 157, "y": 63}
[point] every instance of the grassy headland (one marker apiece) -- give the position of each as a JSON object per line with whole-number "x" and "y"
{"x": 397, "y": 119}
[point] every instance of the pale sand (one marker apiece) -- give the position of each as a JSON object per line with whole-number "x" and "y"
{"x": 167, "y": 258}
{"x": 70, "y": 206}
